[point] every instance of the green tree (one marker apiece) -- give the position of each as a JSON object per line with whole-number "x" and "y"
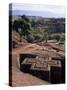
{"x": 22, "y": 26}
{"x": 45, "y": 35}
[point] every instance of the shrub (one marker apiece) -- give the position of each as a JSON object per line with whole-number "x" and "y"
{"x": 57, "y": 37}
{"x": 50, "y": 37}
{"x": 30, "y": 38}
{"x": 62, "y": 38}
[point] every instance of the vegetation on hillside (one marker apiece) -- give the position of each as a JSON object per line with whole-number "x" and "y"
{"x": 38, "y": 30}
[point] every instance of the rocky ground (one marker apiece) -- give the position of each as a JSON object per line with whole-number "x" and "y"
{"x": 24, "y": 79}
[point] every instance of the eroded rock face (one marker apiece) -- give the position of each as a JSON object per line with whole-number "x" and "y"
{"x": 49, "y": 69}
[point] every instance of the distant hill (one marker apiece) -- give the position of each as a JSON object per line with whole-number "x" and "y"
{"x": 46, "y": 14}
{"x": 53, "y": 25}
{"x": 39, "y": 25}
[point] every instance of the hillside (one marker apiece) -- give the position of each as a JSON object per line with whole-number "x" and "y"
{"x": 37, "y": 28}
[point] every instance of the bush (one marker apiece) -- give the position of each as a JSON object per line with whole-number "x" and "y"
{"x": 37, "y": 37}
{"x": 50, "y": 38}
{"x": 62, "y": 38}
{"x": 30, "y": 38}
{"x": 57, "y": 37}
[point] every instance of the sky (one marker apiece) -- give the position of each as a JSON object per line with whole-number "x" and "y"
{"x": 38, "y": 10}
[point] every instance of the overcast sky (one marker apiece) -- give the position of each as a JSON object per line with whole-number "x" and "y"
{"x": 39, "y": 10}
